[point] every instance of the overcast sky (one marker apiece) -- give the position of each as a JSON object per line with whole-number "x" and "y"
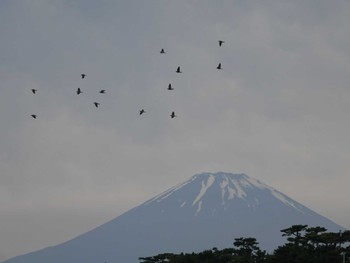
{"x": 278, "y": 111}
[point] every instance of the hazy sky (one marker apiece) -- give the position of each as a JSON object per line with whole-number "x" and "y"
{"x": 278, "y": 111}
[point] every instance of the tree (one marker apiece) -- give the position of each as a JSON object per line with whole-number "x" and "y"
{"x": 247, "y": 250}
{"x": 294, "y": 233}
{"x": 161, "y": 258}
{"x": 313, "y": 235}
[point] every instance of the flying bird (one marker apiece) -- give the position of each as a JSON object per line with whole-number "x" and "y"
{"x": 33, "y": 90}
{"x": 219, "y": 66}
{"x": 142, "y": 111}
{"x": 178, "y": 70}
{"x": 96, "y": 104}
{"x": 173, "y": 115}
{"x": 162, "y": 51}
{"x": 102, "y": 91}
{"x": 170, "y": 87}
{"x": 221, "y": 42}
{"x": 82, "y": 75}
{"x": 79, "y": 91}
{"x": 33, "y": 116}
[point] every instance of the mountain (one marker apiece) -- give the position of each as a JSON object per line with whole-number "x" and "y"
{"x": 209, "y": 210}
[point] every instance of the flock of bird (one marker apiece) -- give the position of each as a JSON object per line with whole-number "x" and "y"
{"x": 142, "y": 111}
{"x": 79, "y": 91}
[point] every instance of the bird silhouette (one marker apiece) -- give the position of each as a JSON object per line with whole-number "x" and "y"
{"x": 221, "y": 42}
{"x": 219, "y": 66}
{"x": 82, "y": 75}
{"x": 79, "y": 91}
{"x": 173, "y": 115}
{"x": 170, "y": 87}
{"x": 142, "y": 111}
{"x": 33, "y": 116}
{"x": 102, "y": 91}
{"x": 178, "y": 70}
{"x": 34, "y": 91}
{"x": 162, "y": 51}
{"x": 96, "y": 104}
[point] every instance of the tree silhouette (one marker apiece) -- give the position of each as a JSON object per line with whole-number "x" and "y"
{"x": 304, "y": 245}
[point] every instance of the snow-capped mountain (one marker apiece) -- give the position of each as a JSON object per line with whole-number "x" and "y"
{"x": 209, "y": 210}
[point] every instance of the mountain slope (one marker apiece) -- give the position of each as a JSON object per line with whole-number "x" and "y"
{"x": 209, "y": 210}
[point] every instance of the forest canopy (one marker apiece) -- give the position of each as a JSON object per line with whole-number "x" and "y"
{"x": 304, "y": 245}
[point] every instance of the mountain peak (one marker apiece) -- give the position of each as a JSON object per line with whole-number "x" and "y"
{"x": 214, "y": 193}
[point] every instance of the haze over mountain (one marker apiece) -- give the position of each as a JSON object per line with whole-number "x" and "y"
{"x": 209, "y": 210}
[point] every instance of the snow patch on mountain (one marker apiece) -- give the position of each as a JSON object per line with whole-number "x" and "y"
{"x": 199, "y": 207}
{"x": 205, "y": 187}
{"x": 166, "y": 194}
{"x": 281, "y": 197}
{"x": 286, "y": 200}
{"x": 238, "y": 191}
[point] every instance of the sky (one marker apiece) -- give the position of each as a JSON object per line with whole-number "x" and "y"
{"x": 278, "y": 111}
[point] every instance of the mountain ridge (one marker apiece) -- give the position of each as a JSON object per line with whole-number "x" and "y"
{"x": 208, "y": 210}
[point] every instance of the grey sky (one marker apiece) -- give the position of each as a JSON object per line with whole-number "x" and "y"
{"x": 278, "y": 111}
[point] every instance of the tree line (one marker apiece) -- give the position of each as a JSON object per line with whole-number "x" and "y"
{"x": 304, "y": 245}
